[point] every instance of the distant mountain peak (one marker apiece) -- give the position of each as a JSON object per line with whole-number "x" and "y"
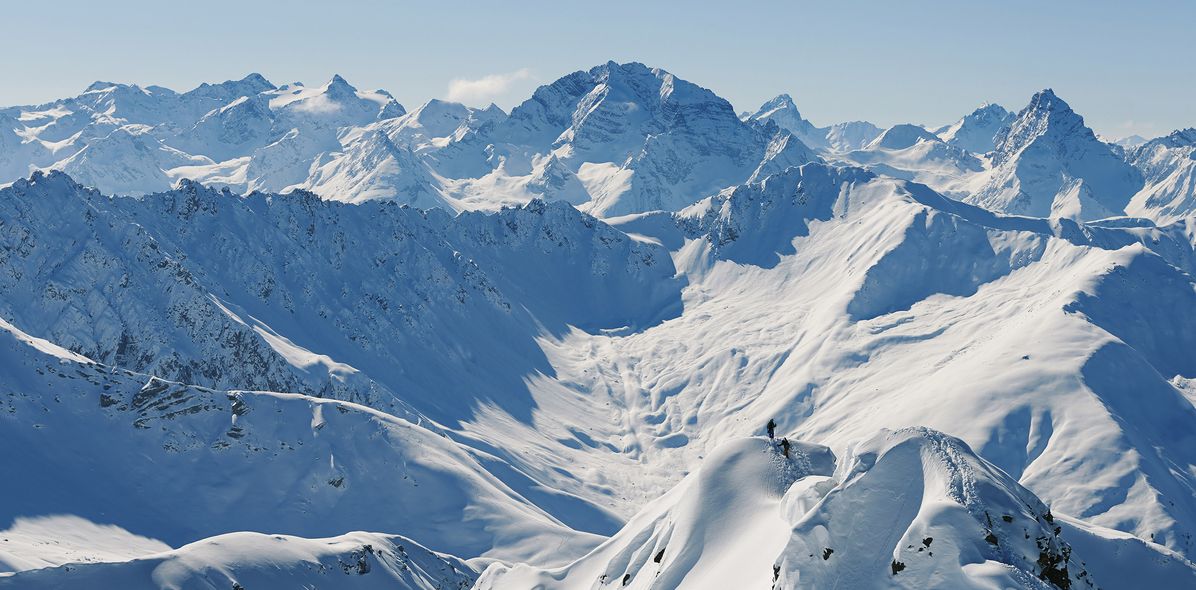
{"x": 1180, "y": 138}
{"x": 902, "y": 136}
{"x": 976, "y": 131}
{"x": 778, "y": 104}
{"x": 1048, "y": 163}
{"x": 339, "y": 85}
{"x": 1046, "y": 114}
{"x": 100, "y": 85}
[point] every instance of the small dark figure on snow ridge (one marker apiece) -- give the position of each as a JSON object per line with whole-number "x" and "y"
{"x": 772, "y": 428}
{"x": 785, "y": 446}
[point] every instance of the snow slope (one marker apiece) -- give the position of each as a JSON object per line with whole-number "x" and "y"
{"x": 599, "y": 298}
{"x": 906, "y": 509}
{"x": 910, "y": 152}
{"x": 177, "y": 463}
{"x": 254, "y": 560}
{"x": 871, "y": 300}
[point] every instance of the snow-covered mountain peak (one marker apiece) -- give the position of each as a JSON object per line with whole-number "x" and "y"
{"x": 782, "y": 111}
{"x": 837, "y": 138}
{"x": 439, "y": 118}
{"x": 1177, "y": 139}
{"x": 977, "y": 131}
{"x": 902, "y": 136}
{"x": 781, "y": 102}
{"x": 338, "y": 98}
{"x": 99, "y": 85}
{"x": 1048, "y": 116}
{"x": 338, "y": 87}
{"x": 1168, "y": 165}
{"x": 1048, "y": 163}
{"x": 251, "y": 85}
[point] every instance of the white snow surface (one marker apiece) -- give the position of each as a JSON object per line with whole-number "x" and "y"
{"x": 546, "y": 344}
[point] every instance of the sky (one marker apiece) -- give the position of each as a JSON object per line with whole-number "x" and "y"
{"x": 1127, "y": 67}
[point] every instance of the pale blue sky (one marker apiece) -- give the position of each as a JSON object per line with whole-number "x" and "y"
{"x": 1128, "y": 67}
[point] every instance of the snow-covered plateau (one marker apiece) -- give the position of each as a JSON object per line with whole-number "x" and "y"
{"x": 258, "y": 337}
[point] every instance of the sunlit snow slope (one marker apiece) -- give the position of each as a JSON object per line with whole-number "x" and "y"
{"x": 556, "y": 368}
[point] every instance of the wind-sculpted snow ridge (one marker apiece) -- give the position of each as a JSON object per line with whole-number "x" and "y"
{"x": 180, "y": 463}
{"x": 254, "y": 560}
{"x": 1047, "y": 163}
{"x": 907, "y": 509}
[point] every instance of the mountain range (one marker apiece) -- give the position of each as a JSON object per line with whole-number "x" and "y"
{"x": 272, "y": 337}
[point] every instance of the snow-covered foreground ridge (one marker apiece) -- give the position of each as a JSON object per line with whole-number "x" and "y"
{"x": 527, "y": 390}
{"x": 906, "y": 509}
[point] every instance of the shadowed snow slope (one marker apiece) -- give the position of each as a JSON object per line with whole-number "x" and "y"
{"x": 179, "y": 463}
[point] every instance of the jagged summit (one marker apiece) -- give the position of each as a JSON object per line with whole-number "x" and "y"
{"x": 1047, "y": 163}
{"x": 837, "y": 138}
{"x": 250, "y": 85}
{"x": 1046, "y": 115}
{"x": 1177, "y": 138}
{"x": 639, "y": 139}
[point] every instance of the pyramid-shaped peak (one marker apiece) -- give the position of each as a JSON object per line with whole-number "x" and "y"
{"x": 339, "y": 84}
{"x": 781, "y": 100}
{"x": 1047, "y": 101}
{"x": 1047, "y": 115}
{"x": 781, "y": 103}
{"x": 257, "y": 80}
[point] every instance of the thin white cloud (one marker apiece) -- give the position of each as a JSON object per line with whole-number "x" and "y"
{"x": 486, "y": 89}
